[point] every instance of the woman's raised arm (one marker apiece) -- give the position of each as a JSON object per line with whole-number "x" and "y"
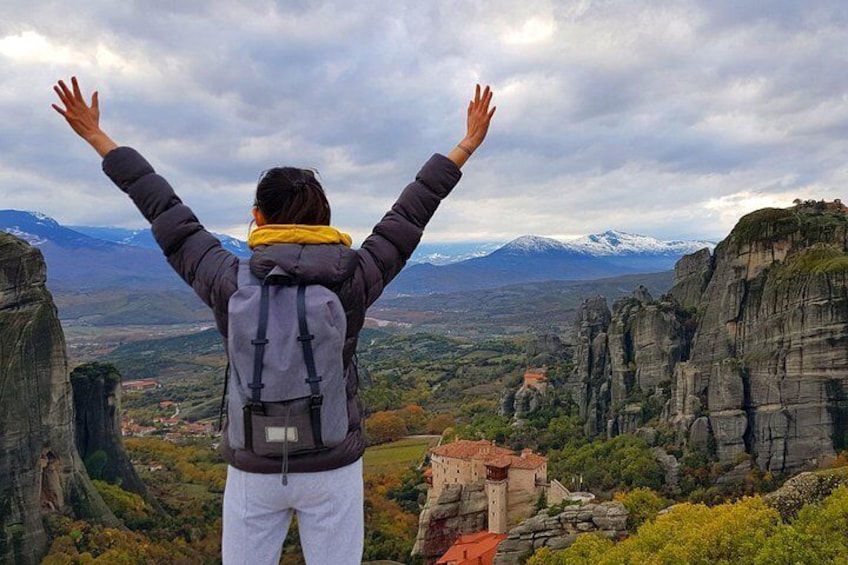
{"x": 83, "y": 119}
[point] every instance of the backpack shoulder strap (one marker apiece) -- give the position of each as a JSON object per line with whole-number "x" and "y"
{"x": 305, "y": 338}
{"x": 259, "y": 347}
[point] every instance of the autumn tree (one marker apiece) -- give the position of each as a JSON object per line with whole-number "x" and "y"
{"x": 414, "y": 417}
{"x": 384, "y": 426}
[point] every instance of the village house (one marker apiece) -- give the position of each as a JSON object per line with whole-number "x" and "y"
{"x": 472, "y": 549}
{"x": 141, "y": 385}
{"x": 535, "y": 379}
{"x": 513, "y": 482}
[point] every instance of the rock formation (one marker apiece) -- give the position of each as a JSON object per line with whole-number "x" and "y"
{"x": 806, "y": 488}
{"x": 560, "y": 531}
{"x": 750, "y": 348}
{"x": 526, "y": 400}
{"x": 40, "y": 469}
{"x": 97, "y": 406}
{"x": 589, "y": 384}
{"x": 459, "y": 509}
{"x": 545, "y": 349}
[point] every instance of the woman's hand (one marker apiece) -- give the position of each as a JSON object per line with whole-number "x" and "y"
{"x": 479, "y": 118}
{"x": 83, "y": 119}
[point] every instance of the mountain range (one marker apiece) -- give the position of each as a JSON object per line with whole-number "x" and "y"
{"x": 537, "y": 259}
{"x": 82, "y": 258}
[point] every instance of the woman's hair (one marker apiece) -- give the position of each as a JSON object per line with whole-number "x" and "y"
{"x": 286, "y": 195}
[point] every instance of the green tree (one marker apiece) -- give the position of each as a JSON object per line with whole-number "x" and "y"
{"x": 818, "y": 535}
{"x": 623, "y": 462}
{"x": 643, "y": 505}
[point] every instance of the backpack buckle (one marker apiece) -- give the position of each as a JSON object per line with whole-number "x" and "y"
{"x": 255, "y": 407}
{"x": 316, "y": 400}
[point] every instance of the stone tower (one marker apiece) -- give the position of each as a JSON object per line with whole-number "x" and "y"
{"x": 497, "y": 482}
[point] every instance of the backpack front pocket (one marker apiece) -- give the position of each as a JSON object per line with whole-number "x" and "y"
{"x": 277, "y": 429}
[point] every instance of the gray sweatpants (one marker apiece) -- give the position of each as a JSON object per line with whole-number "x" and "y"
{"x": 330, "y": 516}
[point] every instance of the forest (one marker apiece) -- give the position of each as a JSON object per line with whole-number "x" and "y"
{"x": 443, "y": 387}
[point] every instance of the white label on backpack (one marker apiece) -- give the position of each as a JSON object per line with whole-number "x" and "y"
{"x": 278, "y": 434}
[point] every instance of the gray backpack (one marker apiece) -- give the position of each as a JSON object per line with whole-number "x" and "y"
{"x": 286, "y": 379}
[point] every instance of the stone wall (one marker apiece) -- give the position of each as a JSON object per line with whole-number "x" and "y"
{"x": 560, "y": 531}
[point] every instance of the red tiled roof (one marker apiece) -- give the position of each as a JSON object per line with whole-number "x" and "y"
{"x": 467, "y": 449}
{"x": 491, "y": 454}
{"x": 500, "y": 462}
{"x": 535, "y": 375}
{"x": 528, "y": 461}
{"x": 472, "y": 549}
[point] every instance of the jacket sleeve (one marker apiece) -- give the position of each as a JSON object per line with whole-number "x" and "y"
{"x": 384, "y": 253}
{"x": 194, "y": 253}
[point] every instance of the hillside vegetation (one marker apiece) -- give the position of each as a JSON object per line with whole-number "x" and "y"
{"x": 747, "y": 532}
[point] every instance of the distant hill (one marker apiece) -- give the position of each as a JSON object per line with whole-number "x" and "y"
{"x": 117, "y": 276}
{"x": 144, "y": 238}
{"x": 537, "y": 259}
{"x": 447, "y": 253}
{"x": 514, "y": 309}
{"x": 86, "y": 258}
{"x": 78, "y": 262}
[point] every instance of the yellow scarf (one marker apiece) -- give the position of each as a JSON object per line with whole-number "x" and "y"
{"x": 296, "y": 233}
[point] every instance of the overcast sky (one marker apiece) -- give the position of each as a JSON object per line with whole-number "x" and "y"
{"x": 663, "y": 118}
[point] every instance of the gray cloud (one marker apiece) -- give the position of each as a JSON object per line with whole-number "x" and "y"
{"x": 668, "y": 119}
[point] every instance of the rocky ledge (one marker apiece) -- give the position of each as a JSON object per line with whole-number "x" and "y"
{"x": 560, "y": 530}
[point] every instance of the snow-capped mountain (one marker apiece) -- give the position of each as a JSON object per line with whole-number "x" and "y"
{"x": 105, "y": 257}
{"x": 534, "y": 259}
{"x": 610, "y": 242}
{"x": 529, "y": 244}
{"x": 613, "y": 242}
{"x": 606, "y": 244}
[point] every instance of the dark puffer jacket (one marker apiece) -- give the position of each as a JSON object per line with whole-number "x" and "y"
{"x": 358, "y": 277}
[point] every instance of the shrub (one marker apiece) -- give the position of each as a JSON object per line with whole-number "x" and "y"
{"x": 643, "y": 505}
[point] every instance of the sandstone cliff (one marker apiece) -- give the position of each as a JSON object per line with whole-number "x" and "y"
{"x": 40, "y": 470}
{"x": 747, "y": 355}
{"x": 459, "y": 509}
{"x": 97, "y": 407}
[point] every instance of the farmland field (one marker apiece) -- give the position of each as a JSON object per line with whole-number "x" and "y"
{"x": 397, "y": 455}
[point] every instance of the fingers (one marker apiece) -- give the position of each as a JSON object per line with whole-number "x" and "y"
{"x": 95, "y": 101}
{"x": 68, "y": 94}
{"x": 62, "y": 91}
{"x": 480, "y": 105}
{"x": 77, "y": 92}
{"x": 61, "y": 95}
{"x": 60, "y": 110}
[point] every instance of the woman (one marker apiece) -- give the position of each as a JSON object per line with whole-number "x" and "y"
{"x": 293, "y": 234}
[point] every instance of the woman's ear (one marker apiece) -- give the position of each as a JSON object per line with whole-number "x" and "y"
{"x": 258, "y": 217}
